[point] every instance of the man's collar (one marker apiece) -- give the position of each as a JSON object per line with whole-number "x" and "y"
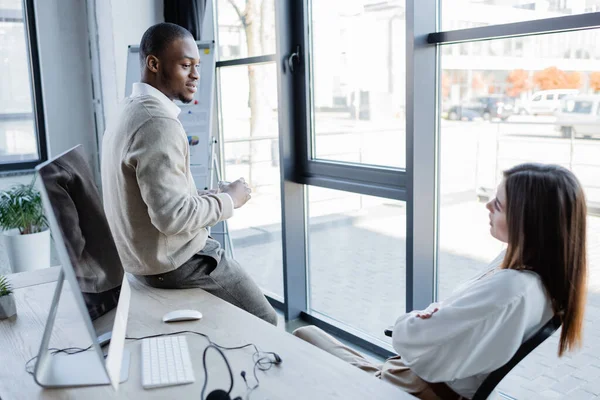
{"x": 143, "y": 89}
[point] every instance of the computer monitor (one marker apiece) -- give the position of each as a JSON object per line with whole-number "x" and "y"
{"x": 91, "y": 264}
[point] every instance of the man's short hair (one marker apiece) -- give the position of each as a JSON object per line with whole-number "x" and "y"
{"x": 158, "y": 37}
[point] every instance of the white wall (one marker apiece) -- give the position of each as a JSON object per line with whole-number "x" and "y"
{"x": 120, "y": 24}
{"x": 130, "y": 20}
{"x": 66, "y": 75}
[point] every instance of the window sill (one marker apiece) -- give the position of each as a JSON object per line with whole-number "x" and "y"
{"x": 19, "y": 172}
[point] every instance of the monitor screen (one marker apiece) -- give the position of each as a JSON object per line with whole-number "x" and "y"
{"x": 75, "y": 201}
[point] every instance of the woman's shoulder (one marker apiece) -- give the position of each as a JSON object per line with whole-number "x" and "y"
{"x": 511, "y": 283}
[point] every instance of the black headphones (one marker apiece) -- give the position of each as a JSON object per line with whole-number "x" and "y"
{"x": 261, "y": 363}
{"x": 220, "y": 395}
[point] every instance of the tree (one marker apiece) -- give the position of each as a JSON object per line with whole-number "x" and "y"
{"x": 477, "y": 82}
{"x": 252, "y": 17}
{"x": 446, "y": 84}
{"x": 554, "y": 78}
{"x": 595, "y": 81}
{"x": 519, "y": 82}
{"x": 574, "y": 80}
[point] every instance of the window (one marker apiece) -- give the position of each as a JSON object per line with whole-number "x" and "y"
{"x": 474, "y": 153}
{"x": 343, "y": 158}
{"x": 22, "y": 137}
{"x": 505, "y": 11}
{"x": 358, "y": 82}
{"x": 250, "y": 150}
{"x": 343, "y": 155}
{"x": 357, "y": 258}
{"x": 248, "y": 109}
{"x": 578, "y": 107}
{"x": 246, "y": 28}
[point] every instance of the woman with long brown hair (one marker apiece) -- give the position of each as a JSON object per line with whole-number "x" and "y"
{"x": 448, "y": 349}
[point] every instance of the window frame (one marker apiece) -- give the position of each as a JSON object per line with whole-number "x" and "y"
{"x": 418, "y": 184}
{"x": 380, "y": 181}
{"x": 299, "y": 170}
{"x": 31, "y": 43}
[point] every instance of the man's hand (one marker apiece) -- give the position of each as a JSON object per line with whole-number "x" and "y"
{"x": 239, "y": 192}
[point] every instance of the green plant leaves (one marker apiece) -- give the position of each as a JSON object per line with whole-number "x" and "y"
{"x": 5, "y": 287}
{"x": 21, "y": 208}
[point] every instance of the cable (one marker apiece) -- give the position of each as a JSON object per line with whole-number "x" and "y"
{"x": 169, "y": 334}
{"x": 263, "y": 364}
{"x": 206, "y": 370}
{"x": 262, "y": 359}
{"x": 53, "y": 351}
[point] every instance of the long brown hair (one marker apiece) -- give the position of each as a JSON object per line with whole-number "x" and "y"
{"x": 546, "y": 218}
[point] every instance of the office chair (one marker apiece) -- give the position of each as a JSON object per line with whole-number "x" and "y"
{"x": 494, "y": 378}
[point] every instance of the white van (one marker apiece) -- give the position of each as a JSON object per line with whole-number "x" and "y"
{"x": 547, "y": 101}
{"x": 579, "y": 116}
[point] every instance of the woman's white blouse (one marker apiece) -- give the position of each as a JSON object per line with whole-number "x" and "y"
{"x": 476, "y": 330}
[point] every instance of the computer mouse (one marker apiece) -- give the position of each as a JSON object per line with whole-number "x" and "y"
{"x": 182, "y": 315}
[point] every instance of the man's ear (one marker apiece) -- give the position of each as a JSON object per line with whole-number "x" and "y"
{"x": 152, "y": 63}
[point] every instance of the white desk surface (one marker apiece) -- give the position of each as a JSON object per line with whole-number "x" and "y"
{"x": 306, "y": 372}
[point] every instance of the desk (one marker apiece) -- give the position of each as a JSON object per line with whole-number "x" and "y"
{"x": 306, "y": 372}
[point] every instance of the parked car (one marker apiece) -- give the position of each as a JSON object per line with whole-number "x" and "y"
{"x": 497, "y": 106}
{"x": 466, "y": 112}
{"x": 547, "y": 101}
{"x": 579, "y": 116}
{"x": 483, "y": 107}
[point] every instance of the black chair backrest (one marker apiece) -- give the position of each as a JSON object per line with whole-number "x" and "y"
{"x": 493, "y": 379}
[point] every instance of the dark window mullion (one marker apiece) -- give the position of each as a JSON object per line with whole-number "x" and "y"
{"x": 19, "y": 167}
{"x": 36, "y": 85}
{"x": 534, "y": 27}
{"x": 359, "y": 172}
{"x": 269, "y": 58}
{"x": 292, "y": 153}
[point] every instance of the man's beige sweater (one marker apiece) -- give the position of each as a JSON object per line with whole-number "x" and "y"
{"x": 156, "y": 216}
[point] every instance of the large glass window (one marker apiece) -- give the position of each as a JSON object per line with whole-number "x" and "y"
{"x": 246, "y": 28}
{"x": 357, "y": 258}
{"x": 251, "y": 148}
{"x": 503, "y": 102}
{"x": 508, "y": 110}
{"x": 358, "y": 81}
{"x": 493, "y": 12}
{"x": 18, "y": 134}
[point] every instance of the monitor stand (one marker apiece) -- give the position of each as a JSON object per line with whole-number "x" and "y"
{"x": 81, "y": 369}
{"x": 104, "y": 339}
{"x": 70, "y": 370}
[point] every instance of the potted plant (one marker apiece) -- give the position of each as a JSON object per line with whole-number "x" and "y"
{"x": 7, "y": 299}
{"x": 26, "y": 233}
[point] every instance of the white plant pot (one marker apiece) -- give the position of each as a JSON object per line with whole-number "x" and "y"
{"x": 8, "y": 308}
{"x": 28, "y": 252}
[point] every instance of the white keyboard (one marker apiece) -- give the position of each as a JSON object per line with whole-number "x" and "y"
{"x": 166, "y": 362}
